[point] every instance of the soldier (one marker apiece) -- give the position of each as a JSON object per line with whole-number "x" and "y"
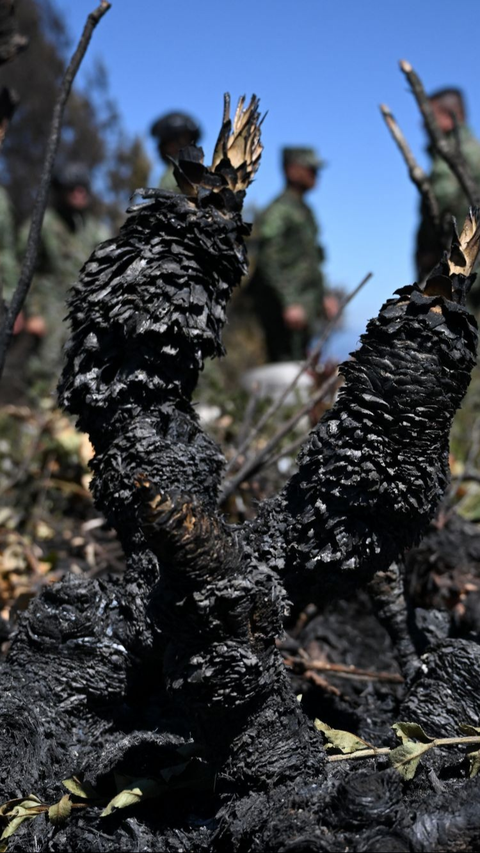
{"x": 69, "y": 234}
{"x": 450, "y": 114}
{"x": 173, "y": 131}
{"x": 287, "y": 285}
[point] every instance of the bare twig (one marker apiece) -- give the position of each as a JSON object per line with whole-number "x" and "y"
{"x": 385, "y": 750}
{"x": 29, "y": 261}
{"x": 251, "y": 466}
{"x": 342, "y": 670}
{"x": 471, "y": 476}
{"x": 361, "y": 753}
{"x": 453, "y": 158}
{"x": 319, "y": 681}
{"x": 416, "y": 173}
{"x": 304, "y": 618}
{"x": 308, "y": 363}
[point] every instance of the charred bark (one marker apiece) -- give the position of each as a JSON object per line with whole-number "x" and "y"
{"x": 180, "y": 657}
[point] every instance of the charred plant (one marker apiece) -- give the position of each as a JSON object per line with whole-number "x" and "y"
{"x": 180, "y": 658}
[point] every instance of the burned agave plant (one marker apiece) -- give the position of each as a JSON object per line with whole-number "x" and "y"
{"x": 373, "y": 471}
{"x": 183, "y": 648}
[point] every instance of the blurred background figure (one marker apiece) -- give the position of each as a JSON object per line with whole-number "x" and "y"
{"x": 8, "y": 259}
{"x": 450, "y": 114}
{"x": 69, "y": 234}
{"x": 287, "y": 284}
{"x": 173, "y": 131}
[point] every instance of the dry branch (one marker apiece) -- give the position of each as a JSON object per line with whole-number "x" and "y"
{"x": 440, "y": 143}
{"x": 416, "y": 173}
{"x": 302, "y": 664}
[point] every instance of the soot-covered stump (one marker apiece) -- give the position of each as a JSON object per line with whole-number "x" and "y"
{"x": 176, "y": 665}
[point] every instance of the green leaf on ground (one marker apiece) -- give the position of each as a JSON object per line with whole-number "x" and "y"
{"x": 81, "y": 789}
{"x": 141, "y": 789}
{"x": 409, "y": 731}
{"x": 60, "y": 812}
{"x": 473, "y": 751}
{"x": 405, "y": 758}
{"x": 467, "y": 729}
{"x": 474, "y": 760}
{"x": 346, "y": 742}
{"x": 18, "y": 810}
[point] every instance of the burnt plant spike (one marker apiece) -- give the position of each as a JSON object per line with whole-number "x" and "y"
{"x": 373, "y": 471}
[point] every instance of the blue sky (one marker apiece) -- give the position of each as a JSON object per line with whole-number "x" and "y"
{"x": 321, "y": 69}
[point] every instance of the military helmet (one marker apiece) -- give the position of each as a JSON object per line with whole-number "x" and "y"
{"x": 303, "y": 156}
{"x": 71, "y": 175}
{"x": 171, "y": 125}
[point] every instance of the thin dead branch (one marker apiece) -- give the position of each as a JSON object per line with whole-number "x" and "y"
{"x": 450, "y": 153}
{"x": 386, "y": 750}
{"x": 29, "y": 261}
{"x": 415, "y": 171}
{"x": 341, "y": 670}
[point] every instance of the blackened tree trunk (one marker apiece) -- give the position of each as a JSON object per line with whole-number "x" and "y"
{"x": 173, "y": 673}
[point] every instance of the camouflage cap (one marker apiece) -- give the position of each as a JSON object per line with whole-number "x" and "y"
{"x": 302, "y": 156}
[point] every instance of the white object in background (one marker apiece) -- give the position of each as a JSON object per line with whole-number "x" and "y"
{"x": 208, "y": 414}
{"x": 272, "y": 380}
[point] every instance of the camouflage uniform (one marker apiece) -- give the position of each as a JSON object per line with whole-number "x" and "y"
{"x": 168, "y": 181}
{"x": 287, "y": 272}
{"x": 8, "y": 258}
{"x": 451, "y": 200}
{"x": 12, "y": 385}
{"x": 63, "y": 251}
